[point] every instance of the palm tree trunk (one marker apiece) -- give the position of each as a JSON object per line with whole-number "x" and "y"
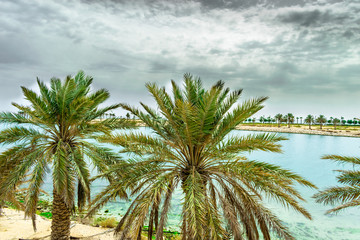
{"x": 309, "y": 126}
{"x": 60, "y": 225}
{"x": 320, "y": 126}
{"x": 184, "y": 228}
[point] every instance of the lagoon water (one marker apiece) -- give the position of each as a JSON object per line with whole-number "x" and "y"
{"x": 301, "y": 154}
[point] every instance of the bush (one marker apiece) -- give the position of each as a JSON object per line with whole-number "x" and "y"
{"x": 105, "y": 222}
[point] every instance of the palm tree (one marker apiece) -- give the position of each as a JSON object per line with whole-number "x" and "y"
{"x": 321, "y": 120}
{"x": 301, "y": 120}
{"x": 309, "y": 120}
{"x": 53, "y": 139}
{"x": 297, "y": 120}
{"x": 289, "y": 118}
{"x": 348, "y": 195}
{"x": 279, "y": 118}
{"x": 262, "y": 119}
{"x": 342, "y": 121}
{"x": 335, "y": 122}
{"x": 191, "y": 150}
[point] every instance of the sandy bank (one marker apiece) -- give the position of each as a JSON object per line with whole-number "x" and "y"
{"x": 14, "y": 226}
{"x": 301, "y": 130}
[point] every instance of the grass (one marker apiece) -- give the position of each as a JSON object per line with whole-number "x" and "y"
{"x": 47, "y": 215}
{"x": 168, "y": 235}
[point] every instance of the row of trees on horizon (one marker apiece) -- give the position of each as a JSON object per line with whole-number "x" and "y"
{"x": 309, "y": 119}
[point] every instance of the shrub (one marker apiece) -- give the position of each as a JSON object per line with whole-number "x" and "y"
{"x": 105, "y": 222}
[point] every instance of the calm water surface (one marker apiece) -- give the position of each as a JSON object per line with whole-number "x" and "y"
{"x": 301, "y": 154}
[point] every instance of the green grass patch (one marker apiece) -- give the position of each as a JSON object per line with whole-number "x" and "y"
{"x": 47, "y": 215}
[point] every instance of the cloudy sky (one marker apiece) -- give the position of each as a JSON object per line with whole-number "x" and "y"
{"x": 303, "y": 54}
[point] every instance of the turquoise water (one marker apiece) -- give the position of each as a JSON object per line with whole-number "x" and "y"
{"x": 301, "y": 154}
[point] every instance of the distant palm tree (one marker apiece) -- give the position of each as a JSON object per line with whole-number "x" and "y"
{"x": 297, "y": 120}
{"x": 191, "y": 150}
{"x": 321, "y": 120}
{"x": 342, "y": 121}
{"x": 289, "y": 118}
{"x": 335, "y": 121}
{"x": 262, "y": 119}
{"x": 269, "y": 119}
{"x": 301, "y": 120}
{"x": 54, "y": 135}
{"x": 348, "y": 195}
{"x": 279, "y": 118}
{"x": 309, "y": 120}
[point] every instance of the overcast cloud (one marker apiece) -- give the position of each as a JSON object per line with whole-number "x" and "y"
{"x": 304, "y": 55}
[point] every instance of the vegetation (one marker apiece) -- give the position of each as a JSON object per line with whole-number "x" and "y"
{"x": 105, "y": 222}
{"x": 9, "y": 196}
{"x": 309, "y": 120}
{"x": 335, "y": 122}
{"x": 191, "y": 150}
{"x": 289, "y": 119}
{"x": 348, "y": 195}
{"x": 279, "y": 118}
{"x": 52, "y": 132}
{"x": 321, "y": 120}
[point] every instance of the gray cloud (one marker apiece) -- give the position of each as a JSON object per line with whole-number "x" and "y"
{"x": 293, "y": 51}
{"x": 312, "y": 18}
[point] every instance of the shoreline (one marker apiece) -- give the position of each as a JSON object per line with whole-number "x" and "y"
{"x": 14, "y": 226}
{"x": 301, "y": 130}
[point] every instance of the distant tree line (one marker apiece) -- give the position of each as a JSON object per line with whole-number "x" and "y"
{"x": 309, "y": 120}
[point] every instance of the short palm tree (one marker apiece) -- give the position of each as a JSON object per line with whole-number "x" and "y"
{"x": 52, "y": 138}
{"x": 191, "y": 150}
{"x": 347, "y": 195}
{"x": 279, "y": 118}
{"x": 309, "y": 120}
{"x": 335, "y": 122}
{"x": 321, "y": 120}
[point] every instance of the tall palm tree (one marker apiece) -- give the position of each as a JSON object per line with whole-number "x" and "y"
{"x": 53, "y": 139}
{"x": 348, "y": 195}
{"x": 289, "y": 118}
{"x": 309, "y": 120}
{"x": 321, "y": 120}
{"x": 191, "y": 150}
{"x": 335, "y": 121}
{"x": 279, "y": 118}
